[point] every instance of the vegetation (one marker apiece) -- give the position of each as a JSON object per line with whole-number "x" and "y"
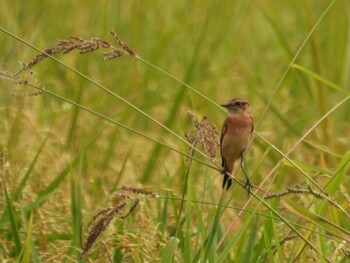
{"x": 109, "y": 146}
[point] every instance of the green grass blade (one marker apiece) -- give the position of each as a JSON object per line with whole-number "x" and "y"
{"x": 276, "y": 237}
{"x": 12, "y": 216}
{"x": 209, "y": 246}
{"x": 248, "y": 251}
{"x": 26, "y": 258}
{"x": 173, "y": 113}
{"x": 52, "y": 187}
{"x": 296, "y": 55}
{"x": 334, "y": 183}
{"x": 322, "y": 79}
{"x": 22, "y": 183}
{"x": 169, "y": 251}
{"x": 188, "y": 219}
{"x": 231, "y": 243}
{"x": 74, "y": 118}
{"x": 267, "y": 240}
{"x": 317, "y": 220}
{"x": 29, "y": 228}
{"x": 26, "y": 175}
{"x": 153, "y": 157}
{"x": 76, "y": 207}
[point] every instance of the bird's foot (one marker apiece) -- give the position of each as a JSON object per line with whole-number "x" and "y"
{"x": 248, "y": 185}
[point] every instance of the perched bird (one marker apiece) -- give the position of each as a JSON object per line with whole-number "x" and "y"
{"x": 235, "y": 138}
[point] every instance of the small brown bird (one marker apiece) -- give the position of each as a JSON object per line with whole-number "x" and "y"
{"x": 235, "y": 138}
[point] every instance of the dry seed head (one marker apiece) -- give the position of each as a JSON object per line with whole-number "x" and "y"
{"x": 21, "y": 80}
{"x": 131, "y": 209}
{"x": 123, "y": 206}
{"x": 102, "y": 212}
{"x": 83, "y": 46}
{"x": 124, "y": 46}
{"x": 119, "y": 197}
{"x": 206, "y": 134}
{"x": 100, "y": 226}
{"x": 298, "y": 190}
{"x": 137, "y": 190}
{"x": 115, "y": 53}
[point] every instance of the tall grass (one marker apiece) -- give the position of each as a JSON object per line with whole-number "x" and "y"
{"x": 99, "y": 125}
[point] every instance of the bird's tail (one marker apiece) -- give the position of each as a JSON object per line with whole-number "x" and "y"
{"x": 228, "y": 181}
{"x": 227, "y": 178}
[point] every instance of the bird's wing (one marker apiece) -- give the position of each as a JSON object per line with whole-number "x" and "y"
{"x": 223, "y": 131}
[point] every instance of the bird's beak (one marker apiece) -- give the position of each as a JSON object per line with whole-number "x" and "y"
{"x": 224, "y": 105}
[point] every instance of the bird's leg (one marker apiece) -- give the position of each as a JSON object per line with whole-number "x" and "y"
{"x": 248, "y": 184}
{"x": 224, "y": 167}
{"x": 226, "y": 184}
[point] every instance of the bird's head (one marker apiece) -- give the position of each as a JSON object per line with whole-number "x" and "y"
{"x": 236, "y": 105}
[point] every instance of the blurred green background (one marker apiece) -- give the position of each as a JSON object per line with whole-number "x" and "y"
{"x": 222, "y": 49}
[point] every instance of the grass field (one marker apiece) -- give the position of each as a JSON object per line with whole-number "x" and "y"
{"x": 99, "y": 168}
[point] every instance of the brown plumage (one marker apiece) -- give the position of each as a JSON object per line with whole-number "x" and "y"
{"x": 235, "y": 137}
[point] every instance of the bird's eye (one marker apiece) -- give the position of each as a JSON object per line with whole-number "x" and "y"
{"x": 239, "y": 103}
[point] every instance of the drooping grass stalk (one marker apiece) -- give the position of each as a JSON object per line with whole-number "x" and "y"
{"x": 103, "y": 88}
{"x": 179, "y": 81}
{"x": 129, "y": 128}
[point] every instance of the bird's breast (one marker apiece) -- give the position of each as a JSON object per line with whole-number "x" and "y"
{"x": 239, "y": 124}
{"x": 237, "y": 136}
